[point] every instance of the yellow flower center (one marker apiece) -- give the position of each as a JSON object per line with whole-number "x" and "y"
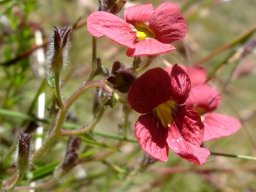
{"x": 143, "y": 32}
{"x": 164, "y": 112}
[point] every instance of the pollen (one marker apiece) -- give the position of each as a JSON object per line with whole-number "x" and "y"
{"x": 143, "y": 32}
{"x": 164, "y": 113}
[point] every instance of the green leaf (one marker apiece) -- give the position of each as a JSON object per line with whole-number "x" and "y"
{"x": 42, "y": 172}
{"x": 92, "y": 142}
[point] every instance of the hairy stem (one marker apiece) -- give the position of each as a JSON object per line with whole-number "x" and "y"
{"x": 85, "y": 129}
{"x": 59, "y": 122}
{"x": 58, "y": 90}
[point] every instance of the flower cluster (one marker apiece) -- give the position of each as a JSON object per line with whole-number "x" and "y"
{"x": 176, "y": 104}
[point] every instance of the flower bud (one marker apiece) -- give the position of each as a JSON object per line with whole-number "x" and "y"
{"x": 23, "y": 151}
{"x": 71, "y": 155}
{"x": 121, "y": 78}
{"x": 112, "y": 6}
{"x": 57, "y": 52}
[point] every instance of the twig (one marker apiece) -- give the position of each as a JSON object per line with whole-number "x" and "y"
{"x": 31, "y": 50}
{"x": 236, "y": 41}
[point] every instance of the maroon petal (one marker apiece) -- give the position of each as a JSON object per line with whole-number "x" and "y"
{"x": 138, "y": 13}
{"x": 149, "y": 90}
{"x": 180, "y": 84}
{"x": 168, "y": 23}
{"x": 101, "y": 23}
{"x": 189, "y": 125}
{"x": 149, "y": 46}
{"x": 203, "y": 98}
{"x": 197, "y": 75}
{"x": 184, "y": 149}
{"x": 218, "y": 125}
{"x": 151, "y": 136}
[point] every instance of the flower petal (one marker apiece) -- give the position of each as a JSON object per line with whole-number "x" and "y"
{"x": 197, "y": 75}
{"x": 101, "y": 23}
{"x": 149, "y": 46}
{"x": 184, "y": 149}
{"x": 203, "y": 98}
{"x": 189, "y": 125}
{"x": 149, "y": 90}
{"x": 152, "y": 136}
{"x": 168, "y": 23}
{"x": 180, "y": 84}
{"x": 218, "y": 125}
{"x": 138, "y": 13}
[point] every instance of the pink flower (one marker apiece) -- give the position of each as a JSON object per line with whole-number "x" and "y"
{"x": 165, "y": 121}
{"x": 205, "y": 99}
{"x": 143, "y": 31}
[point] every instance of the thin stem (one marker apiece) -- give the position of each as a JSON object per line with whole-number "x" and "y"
{"x": 62, "y": 115}
{"x": 126, "y": 123}
{"x": 146, "y": 64}
{"x": 94, "y": 59}
{"x": 113, "y": 136}
{"x": 39, "y": 91}
{"x": 58, "y": 90}
{"x": 53, "y": 135}
{"x": 83, "y": 88}
{"x": 236, "y": 41}
{"x": 78, "y": 24}
{"x": 245, "y": 157}
{"x": 94, "y": 50}
{"x": 84, "y": 129}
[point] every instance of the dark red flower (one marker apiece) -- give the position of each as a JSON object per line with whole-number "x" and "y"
{"x": 165, "y": 121}
{"x": 205, "y": 99}
{"x": 144, "y": 31}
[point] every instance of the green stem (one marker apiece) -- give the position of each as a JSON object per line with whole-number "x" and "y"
{"x": 85, "y": 129}
{"x": 94, "y": 59}
{"x": 53, "y": 135}
{"x": 245, "y": 157}
{"x": 235, "y": 42}
{"x": 58, "y": 90}
{"x": 62, "y": 114}
{"x": 39, "y": 91}
{"x": 146, "y": 64}
{"x": 126, "y": 123}
{"x": 13, "y": 181}
{"x": 113, "y": 136}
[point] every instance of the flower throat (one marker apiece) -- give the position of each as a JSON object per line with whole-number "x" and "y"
{"x": 164, "y": 112}
{"x": 143, "y": 32}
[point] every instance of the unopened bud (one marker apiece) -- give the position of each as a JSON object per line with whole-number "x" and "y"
{"x": 69, "y": 160}
{"x": 121, "y": 78}
{"x": 23, "y": 151}
{"x": 73, "y": 143}
{"x": 71, "y": 155}
{"x": 58, "y": 48}
{"x": 112, "y": 6}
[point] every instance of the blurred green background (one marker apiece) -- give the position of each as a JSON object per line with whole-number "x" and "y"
{"x": 212, "y": 24}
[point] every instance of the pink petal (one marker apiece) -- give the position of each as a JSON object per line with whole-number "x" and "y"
{"x": 203, "y": 98}
{"x": 149, "y": 46}
{"x": 180, "y": 84}
{"x": 149, "y": 90}
{"x": 151, "y": 136}
{"x": 168, "y": 23}
{"x": 197, "y": 75}
{"x": 184, "y": 149}
{"x": 138, "y": 13}
{"x": 218, "y": 125}
{"x": 189, "y": 125}
{"x": 101, "y": 23}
